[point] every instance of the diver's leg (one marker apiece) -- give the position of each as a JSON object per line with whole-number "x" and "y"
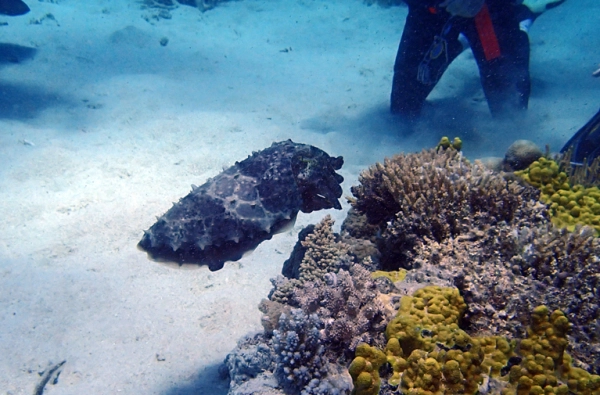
{"x": 501, "y": 49}
{"x": 408, "y": 94}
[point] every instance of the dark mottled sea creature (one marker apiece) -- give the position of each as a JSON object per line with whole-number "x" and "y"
{"x": 245, "y": 205}
{"x": 13, "y": 7}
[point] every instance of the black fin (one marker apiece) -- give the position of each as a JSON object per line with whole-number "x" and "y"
{"x": 585, "y": 144}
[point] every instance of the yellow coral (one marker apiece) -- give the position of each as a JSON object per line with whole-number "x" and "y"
{"x": 430, "y": 355}
{"x": 364, "y": 370}
{"x": 546, "y": 368}
{"x": 394, "y": 276}
{"x": 427, "y": 350}
{"x": 569, "y": 205}
{"x": 445, "y": 143}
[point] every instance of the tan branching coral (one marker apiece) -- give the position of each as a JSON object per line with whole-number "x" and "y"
{"x": 437, "y": 195}
{"x": 322, "y": 253}
{"x": 433, "y": 182}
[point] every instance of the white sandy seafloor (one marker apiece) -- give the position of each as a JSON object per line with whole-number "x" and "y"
{"x": 102, "y": 128}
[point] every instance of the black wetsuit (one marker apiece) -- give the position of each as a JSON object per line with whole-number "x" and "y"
{"x": 499, "y": 46}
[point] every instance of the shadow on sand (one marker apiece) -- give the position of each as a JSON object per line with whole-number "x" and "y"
{"x": 20, "y": 101}
{"x": 23, "y": 102}
{"x": 13, "y": 53}
{"x": 209, "y": 380}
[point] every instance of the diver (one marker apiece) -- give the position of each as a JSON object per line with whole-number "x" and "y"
{"x": 436, "y": 32}
{"x": 13, "y": 7}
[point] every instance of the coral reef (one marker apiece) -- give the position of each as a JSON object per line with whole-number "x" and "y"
{"x": 441, "y": 267}
{"x": 313, "y": 323}
{"x": 395, "y": 276}
{"x": 299, "y": 349}
{"x": 545, "y": 367}
{"x": 364, "y": 370}
{"x": 505, "y": 260}
{"x": 507, "y": 271}
{"x": 445, "y": 143}
{"x": 334, "y": 287}
{"x": 318, "y": 253}
{"x": 426, "y": 348}
{"x": 586, "y": 174}
{"x": 249, "y": 361}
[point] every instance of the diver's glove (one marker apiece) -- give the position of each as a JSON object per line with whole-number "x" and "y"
{"x": 464, "y": 8}
{"x": 539, "y": 6}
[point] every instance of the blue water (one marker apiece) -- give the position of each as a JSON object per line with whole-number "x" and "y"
{"x": 102, "y": 127}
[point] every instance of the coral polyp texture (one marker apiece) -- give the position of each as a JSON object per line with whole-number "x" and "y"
{"x": 245, "y": 205}
{"x": 570, "y": 205}
{"x": 435, "y": 195}
{"x": 447, "y": 278}
{"x": 428, "y": 353}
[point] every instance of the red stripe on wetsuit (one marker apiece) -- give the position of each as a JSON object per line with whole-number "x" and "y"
{"x": 487, "y": 36}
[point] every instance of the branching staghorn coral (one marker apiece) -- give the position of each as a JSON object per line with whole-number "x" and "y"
{"x": 434, "y": 194}
{"x": 321, "y": 253}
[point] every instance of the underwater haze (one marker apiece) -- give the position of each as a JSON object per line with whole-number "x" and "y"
{"x": 111, "y": 109}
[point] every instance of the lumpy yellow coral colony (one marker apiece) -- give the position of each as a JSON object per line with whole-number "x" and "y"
{"x": 430, "y": 355}
{"x": 569, "y": 205}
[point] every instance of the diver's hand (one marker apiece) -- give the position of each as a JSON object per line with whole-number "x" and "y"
{"x": 464, "y": 8}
